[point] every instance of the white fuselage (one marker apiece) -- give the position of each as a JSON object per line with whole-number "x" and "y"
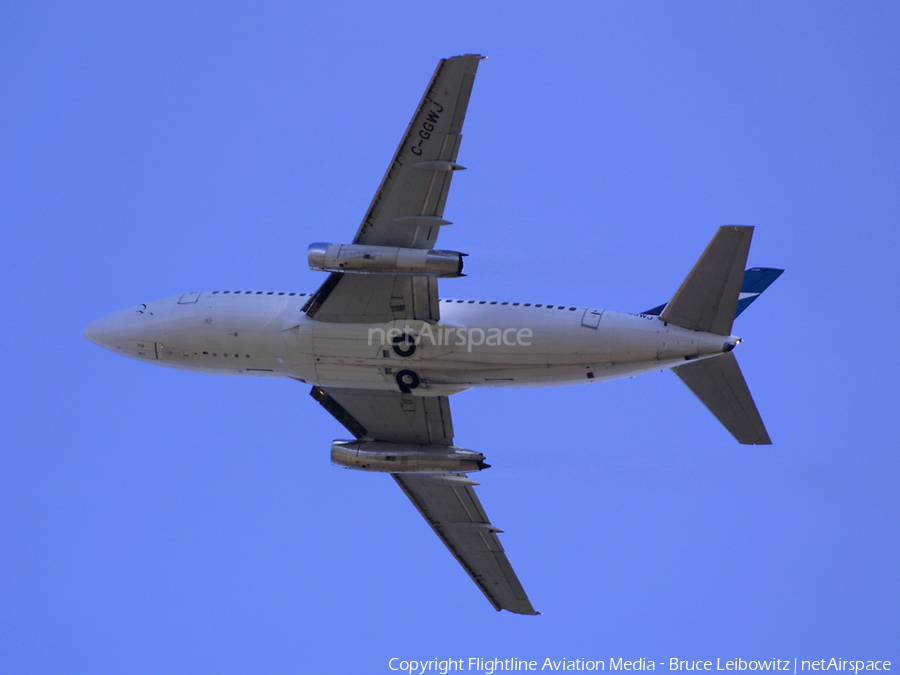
{"x": 476, "y": 343}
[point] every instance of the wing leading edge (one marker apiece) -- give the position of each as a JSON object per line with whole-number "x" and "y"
{"x": 408, "y": 211}
{"x": 446, "y": 500}
{"x": 408, "y": 207}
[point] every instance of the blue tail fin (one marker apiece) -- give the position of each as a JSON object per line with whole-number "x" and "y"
{"x": 756, "y": 280}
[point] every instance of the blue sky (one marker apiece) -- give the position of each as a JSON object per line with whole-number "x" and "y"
{"x": 159, "y": 521}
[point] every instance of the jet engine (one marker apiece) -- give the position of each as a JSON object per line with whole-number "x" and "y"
{"x": 405, "y": 458}
{"x": 359, "y": 259}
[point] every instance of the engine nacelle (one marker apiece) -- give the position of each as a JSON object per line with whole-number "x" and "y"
{"x": 405, "y": 458}
{"x": 359, "y": 259}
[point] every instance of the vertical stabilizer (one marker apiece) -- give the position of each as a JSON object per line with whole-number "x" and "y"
{"x": 720, "y": 385}
{"x": 708, "y": 298}
{"x": 756, "y": 280}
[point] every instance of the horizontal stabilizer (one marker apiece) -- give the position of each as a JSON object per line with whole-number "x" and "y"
{"x": 720, "y": 385}
{"x": 708, "y": 298}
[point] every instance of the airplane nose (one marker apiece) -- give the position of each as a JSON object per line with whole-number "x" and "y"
{"x": 95, "y": 332}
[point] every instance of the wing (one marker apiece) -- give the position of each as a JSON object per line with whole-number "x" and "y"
{"x": 446, "y": 500}
{"x": 389, "y": 416}
{"x": 408, "y": 207}
{"x": 449, "y": 504}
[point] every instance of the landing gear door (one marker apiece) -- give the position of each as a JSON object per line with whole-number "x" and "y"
{"x": 591, "y": 318}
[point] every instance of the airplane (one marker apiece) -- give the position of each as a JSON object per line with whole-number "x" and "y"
{"x": 383, "y": 352}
